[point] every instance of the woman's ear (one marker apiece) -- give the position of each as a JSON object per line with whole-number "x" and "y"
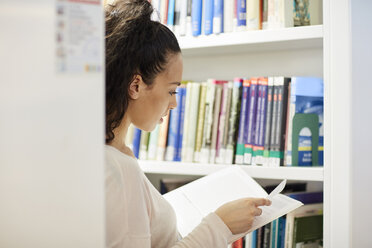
{"x": 135, "y": 86}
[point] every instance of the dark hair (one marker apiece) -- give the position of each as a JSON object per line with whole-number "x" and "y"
{"x": 135, "y": 45}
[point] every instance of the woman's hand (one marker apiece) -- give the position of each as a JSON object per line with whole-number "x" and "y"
{"x": 238, "y": 215}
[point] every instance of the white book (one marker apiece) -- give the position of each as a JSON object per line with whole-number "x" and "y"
{"x": 228, "y": 15}
{"x": 193, "y": 201}
{"x": 183, "y": 17}
{"x": 253, "y": 14}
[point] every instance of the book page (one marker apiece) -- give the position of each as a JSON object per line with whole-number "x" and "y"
{"x": 194, "y": 201}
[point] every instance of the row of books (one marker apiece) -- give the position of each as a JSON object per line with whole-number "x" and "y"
{"x": 253, "y": 121}
{"x": 302, "y": 227}
{"x": 196, "y": 17}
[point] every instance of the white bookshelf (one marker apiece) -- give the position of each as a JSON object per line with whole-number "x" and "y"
{"x": 339, "y": 51}
{"x": 194, "y": 169}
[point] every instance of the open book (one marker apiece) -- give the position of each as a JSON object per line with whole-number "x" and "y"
{"x": 197, "y": 199}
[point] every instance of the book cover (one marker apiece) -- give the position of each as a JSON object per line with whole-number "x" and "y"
{"x": 208, "y": 19}
{"x": 242, "y": 133}
{"x": 216, "y": 114}
{"x": 182, "y": 90}
{"x": 254, "y": 14}
{"x": 208, "y": 122}
{"x": 307, "y": 97}
{"x": 194, "y": 201}
{"x": 136, "y": 141}
{"x": 273, "y": 148}
{"x": 252, "y": 113}
{"x": 308, "y": 231}
{"x": 196, "y": 17}
{"x": 200, "y": 122}
{"x": 153, "y": 143}
{"x": 173, "y": 131}
{"x": 217, "y": 16}
{"x": 233, "y": 121}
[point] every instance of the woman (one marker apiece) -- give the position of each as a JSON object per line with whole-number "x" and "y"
{"x": 143, "y": 70}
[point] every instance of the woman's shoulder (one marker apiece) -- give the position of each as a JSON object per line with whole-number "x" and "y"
{"x": 121, "y": 163}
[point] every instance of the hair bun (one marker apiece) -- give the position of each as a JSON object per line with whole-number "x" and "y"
{"x": 130, "y": 10}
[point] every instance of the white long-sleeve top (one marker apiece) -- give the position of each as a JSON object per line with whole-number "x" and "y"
{"x": 138, "y": 216}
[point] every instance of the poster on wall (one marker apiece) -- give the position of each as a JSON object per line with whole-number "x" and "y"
{"x": 79, "y": 36}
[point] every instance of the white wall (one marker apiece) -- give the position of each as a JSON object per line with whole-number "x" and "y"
{"x": 51, "y": 137}
{"x": 361, "y": 171}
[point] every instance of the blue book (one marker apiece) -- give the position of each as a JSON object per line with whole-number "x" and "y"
{"x": 241, "y": 12}
{"x": 136, "y": 141}
{"x": 173, "y": 136}
{"x": 242, "y": 123}
{"x": 306, "y": 97}
{"x": 251, "y": 121}
{"x": 217, "y": 16}
{"x": 281, "y": 232}
{"x": 254, "y": 239}
{"x": 307, "y": 197}
{"x": 196, "y": 17}
{"x": 182, "y": 103}
{"x": 170, "y": 19}
{"x": 208, "y": 17}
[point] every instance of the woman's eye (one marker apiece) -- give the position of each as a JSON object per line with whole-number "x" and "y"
{"x": 173, "y": 93}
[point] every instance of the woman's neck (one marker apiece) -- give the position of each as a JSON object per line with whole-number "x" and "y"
{"x": 120, "y": 134}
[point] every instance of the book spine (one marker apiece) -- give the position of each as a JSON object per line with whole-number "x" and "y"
{"x": 200, "y": 125}
{"x": 233, "y": 121}
{"x": 208, "y": 20}
{"x": 221, "y": 124}
{"x": 262, "y": 122}
{"x": 273, "y": 148}
{"x": 183, "y": 17}
{"x": 241, "y": 14}
{"x": 267, "y": 234}
{"x": 196, "y": 17}
{"x": 251, "y": 122}
{"x": 227, "y": 127}
{"x": 238, "y": 243}
{"x": 257, "y": 123}
{"x": 228, "y": 15}
{"x": 156, "y": 14}
{"x": 217, "y": 16}
{"x": 253, "y": 14}
{"x": 164, "y": 11}
{"x": 162, "y": 140}
{"x": 186, "y": 121}
{"x": 177, "y": 16}
{"x": 191, "y": 132}
{"x": 189, "y": 18}
{"x": 216, "y": 113}
{"x": 144, "y": 143}
{"x": 208, "y": 122}
{"x": 269, "y": 111}
{"x": 271, "y": 14}
{"x": 170, "y": 18}
{"x": 136, "y": 141}
{"x": 173, "y": 132}
{"x": 282, "y": 117}
{"x": 153, "y": 143}
{"x": 242, "y": 123}
{"x": 182, "y": 103}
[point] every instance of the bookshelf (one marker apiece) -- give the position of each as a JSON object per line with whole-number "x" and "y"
{"x": 196, "y": 169}
{"x": 339, "y": 51}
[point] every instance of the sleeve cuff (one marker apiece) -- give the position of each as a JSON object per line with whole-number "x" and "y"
{"x": 216, "y": 222}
